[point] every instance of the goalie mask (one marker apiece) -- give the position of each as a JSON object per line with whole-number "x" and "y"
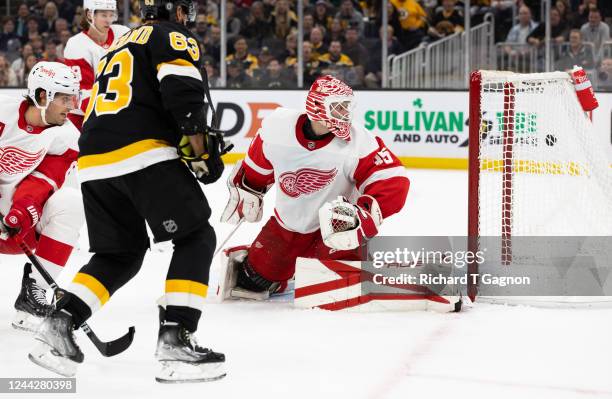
{"x": 330, "y": 101}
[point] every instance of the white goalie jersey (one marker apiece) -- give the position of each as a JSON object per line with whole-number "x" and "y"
{"x": 309, "y": 173}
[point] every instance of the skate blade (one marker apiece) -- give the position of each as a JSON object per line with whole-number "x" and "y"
{"x": 25, "y": 321}
{"x": 239, "y": 293}
{"x": 177, "y": 372}
{"x": 46, "y": 357}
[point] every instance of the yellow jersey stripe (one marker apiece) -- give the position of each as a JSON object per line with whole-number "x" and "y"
{"x": 178, "y": 61}
{"x": 93, "y": 285}
{"x": 121, "y": 154}
{"x": 186, "y": 286}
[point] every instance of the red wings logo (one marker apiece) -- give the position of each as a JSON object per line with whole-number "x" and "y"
{"x": 14, "y": 161}
{"x": 306, "y": 181}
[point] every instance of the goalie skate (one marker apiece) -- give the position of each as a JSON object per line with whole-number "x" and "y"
{"x": 183, "y": 360}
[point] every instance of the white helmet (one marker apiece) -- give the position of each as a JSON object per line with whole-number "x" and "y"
{"x": 94, "y": 5}
{"x": 52, "y": 77}
{"x": 102, "y": 5}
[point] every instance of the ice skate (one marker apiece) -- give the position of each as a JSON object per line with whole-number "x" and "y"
{"x": 182, "y": 360}
{"x": 31, "y": 305}
{"x": 57, "y": 350}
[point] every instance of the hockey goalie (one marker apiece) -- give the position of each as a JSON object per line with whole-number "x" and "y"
{"x": 335, "y": 184}
{"x": 38, "y": 149}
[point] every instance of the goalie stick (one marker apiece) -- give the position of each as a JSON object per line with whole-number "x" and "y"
{"x": 107, "y": 349}
{"x": 231, "y": 233}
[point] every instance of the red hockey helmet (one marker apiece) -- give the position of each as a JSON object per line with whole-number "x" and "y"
{"x": 331, "y": 102}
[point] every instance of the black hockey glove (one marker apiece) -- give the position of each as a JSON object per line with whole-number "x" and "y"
{"x": 209, "y": 166}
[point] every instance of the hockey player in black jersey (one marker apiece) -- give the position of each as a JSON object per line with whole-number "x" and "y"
{"x": 148, "y": 94}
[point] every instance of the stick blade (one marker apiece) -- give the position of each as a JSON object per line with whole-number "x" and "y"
{"x": 115, "y": 347}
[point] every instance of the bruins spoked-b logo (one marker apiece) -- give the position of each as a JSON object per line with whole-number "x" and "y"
{"x": 170, "y": 226}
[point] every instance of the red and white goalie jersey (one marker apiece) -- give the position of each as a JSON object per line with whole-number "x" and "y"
{"x": 82, "y": 54}
{"x": 34, "y": 161}
{"x": 309, "y": 173}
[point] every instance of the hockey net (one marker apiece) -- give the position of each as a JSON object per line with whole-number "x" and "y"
{"x": 537, "y": 167}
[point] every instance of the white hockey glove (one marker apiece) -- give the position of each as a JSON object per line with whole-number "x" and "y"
{"x": 244, "y": 201}
{"x": 346, "y": 226}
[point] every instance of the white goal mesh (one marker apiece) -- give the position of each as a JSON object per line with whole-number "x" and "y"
{"x": 537, "y": 167}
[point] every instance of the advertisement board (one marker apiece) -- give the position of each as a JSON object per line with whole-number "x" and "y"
{"x": 427, "y": 129}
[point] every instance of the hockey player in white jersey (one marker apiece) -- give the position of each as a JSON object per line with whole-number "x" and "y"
{"x": 84, "y": 50}
{"x": 335, "y": 184}
{"x": 38, "y": 146}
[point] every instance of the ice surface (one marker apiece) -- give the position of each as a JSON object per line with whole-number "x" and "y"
{"x": 487, "y": 351}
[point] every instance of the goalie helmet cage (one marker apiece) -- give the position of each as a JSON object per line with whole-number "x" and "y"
{"x": 536, "y": 168}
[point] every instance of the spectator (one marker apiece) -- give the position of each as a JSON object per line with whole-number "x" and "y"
{"x": 60, "y": 25}
{"x": 566, "y": 12}
{"x": 23, "y": 12}
{"x": 273, "y": 77}
{"x": 290, "y": 51}
{"x": 201, "y": 27}
{"x": 18, "y": 64}
{"x": 23, "y": 72}
{"x": 519, "y": 32}
{"x": 63, "y": 39}
{"x": 373, "y": 76}
{"x": 604, "y": 75}
{"x": 322, "y": 16}
{"x": 353, "y": 48}
{"x": 312, "y": 66}
{"x": 264, "y": 57}
{"x": 576, "y": 53}
{"x": 307, "y": 25}
{"x": 50, "y": 53}
{"x": 37, "y": 46}
{"x": 557, "y": 28}
{"x": 441, "y": 30}
{"x": 214, "y": 80}
{"x": 8, "y": 33}
{"x": 33, "y": 29}
{"x": 348, "y": 16}
{"x": 595, "y": 31}
{"x": 233, "y": 23}
{"x": 134, "y": 20}
{"x": 236, "y": 77}
{"x": 335, "y": 57}
{"x": 38, "y": 8}
{"x": 77, "y": 21}
{"x": 583, "y": 12}
{"x": 283, "y": 19}
{"x": 316, "y": 38}
{"x": 243, "y": 56}
{"x": 50, "y": 14}
{"x": 65, "y": 9}
{"x": 448, "y": 13}
{"x": 212, "y": 43}
{"x": 336, "y": 31}
{"x": 258, "y": 25}
{"x": 412, "y": 21}
{"x": 7, "y": 75}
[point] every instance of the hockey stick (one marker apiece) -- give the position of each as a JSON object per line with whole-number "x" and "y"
{"x": 231, "y": 233}
{"x": 107, "y": 349}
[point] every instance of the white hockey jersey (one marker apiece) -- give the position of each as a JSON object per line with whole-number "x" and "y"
{"x": 82, "y": 54}
{"x": 42, "y": 155}
{"x": 309, "y": 173}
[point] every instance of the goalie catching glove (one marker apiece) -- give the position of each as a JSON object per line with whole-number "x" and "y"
{"x": 244, "y": 201}
{"x": 346, "y": 226}
{"x": 209, "y": 166}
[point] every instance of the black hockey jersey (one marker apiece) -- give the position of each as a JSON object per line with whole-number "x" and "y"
{"x": 146, "y": 82}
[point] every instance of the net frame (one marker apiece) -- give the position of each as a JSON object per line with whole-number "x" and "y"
{"x": 507, "y": 83}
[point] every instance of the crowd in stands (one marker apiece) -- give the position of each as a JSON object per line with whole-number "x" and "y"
{"x": 341, "y": 37}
